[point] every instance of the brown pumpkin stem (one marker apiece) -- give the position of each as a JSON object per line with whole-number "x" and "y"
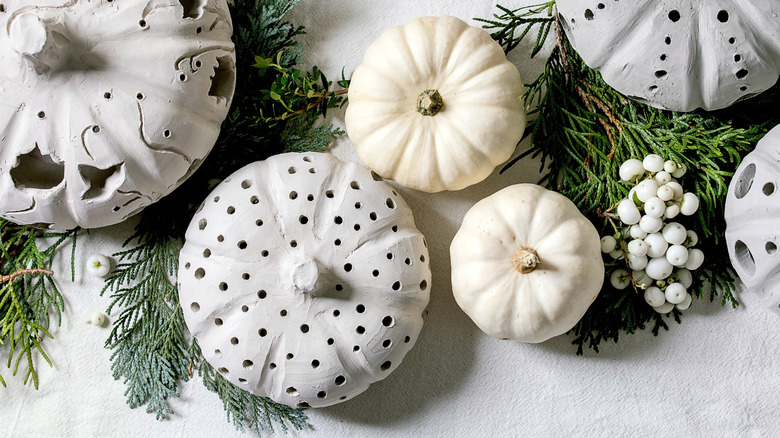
{"x": 429, "y": 102}
{"x": 525, "y": 260}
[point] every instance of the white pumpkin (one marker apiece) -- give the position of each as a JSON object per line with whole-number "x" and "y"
{"x": 526, "y": 264}
{"x": 678, "y": 54}
{"x": 752, "y": 211}
{"x": 304, "y": 279}
{"x": 435, "y": 105}
{"x": 107, "y": 105}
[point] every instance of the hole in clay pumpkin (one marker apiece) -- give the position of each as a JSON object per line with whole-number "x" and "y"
{"x": 745, "y": 181}
{"x": 390, "y": 203}
{"x": 206, "y": 253}
{"x": 407, "y": 339}
{"x": 356, "y": 348}
{"x": 322, "y": 394}
{"x": 34, "y": 170}
{"x": 290, "y": 356}
{"x": 423, "y": 285}
{"x": 737, "y": 57}
{"x": 388, "y": 321}
{"x": 360, "y": 308}
{"x": 387, "y": 343}
{"x": 272, "y": 366}
{"x": 357, "y": 227}
{"x": 588, "y": 14}
{"x": 223, "y": 80}
{"x": 218, "y": 353}
{"x": 329, "y": 194}
{"x": 663, "y": 57}
{"x": 397, "y": 285}
{"x": 262, "y": 294}
{"x": 315, "y": 363}
{"x": 732, "y": 40}
{"x": 668, "y": 40}
{"x": 340, "y": 380}
{"x": 264, "y": 253}
{"x": 241, "y": 380}
{"x": 355, "y": 185}
{"x": 303, "y": 405}
{"x": 304, "y": 328}
{"x": 200, "y": 273}
{"x": 245, "y": 308}
{"x": 303, "y": 219}
{"x": 660, "y": 73}
{"x": 336, "y": 313}
{"x": 375, "y": 273}
{"x": 223, "y": 370}
{"x": 101, "y": 181}
{"x": 223, "y": 286}
{"x": 283, "y": 312}
{"x": 262, "y": 332}
{"x": 358, "y": 206}
{"x": 242, "y": 244}
{"x": 360, "y": 329}
{"x": 741, "y": 73}
{"x": 372, "y": 216}
{"x": 2, "y": 8}
{"x": 771, "y": 248}
{"x": 218, "y": 322}
{"x": 195, "y": 307}
{"x": 337, "y": 242}
{"x": 248, "y": 364}
{"x": 375, "y": 176}
{"x": 246, "y": 276}
{"x": 292, "y": 391}
{"x": 338, "y": 220}
{"x": 202, "y": 224}
{"x": 745, "y": 257}
{"x": 247, "y": 183}
{"x": 348, "y": 267}
{"x": 338, "y": 288}
{"x": 192, "y": 8}
{"x": 331, "y": 341}
{"x": 254, "y": 200}
{"x": 723, "y": 16}
{"x": 293, "y": 195}
{"x": 386, "y": 365}
{"x": 674, "y": 15}
{"x": 234, "y": 341}
{"x": 768, "y": 189}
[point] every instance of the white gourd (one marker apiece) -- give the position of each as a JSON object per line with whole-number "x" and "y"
{"x": 435, "y": 105}
{"x": 304, "y": 279}
{"x": 107, "y": 105}
{"x": 752, "y": 210}
{"x": 678, "y": 54}
{"x": 526, "y": 264}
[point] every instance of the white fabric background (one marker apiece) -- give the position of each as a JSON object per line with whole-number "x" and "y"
{"x": 716, "y": 374}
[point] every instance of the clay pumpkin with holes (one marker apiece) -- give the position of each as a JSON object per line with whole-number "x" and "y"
{"x": 526, "y": 264}
{"x": 304, "y": 279}
{"x": 435, "y": 105}
{"x": 107, "y": 105}
{"x": 752, "y": 210}
{"x": 679, "y": 55}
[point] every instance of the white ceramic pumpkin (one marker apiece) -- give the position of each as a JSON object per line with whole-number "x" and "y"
{"x": 526, "y": 264}
{"x": 752, "y": 215}
{"x": 678, "y": 54}
{"x": 304, "y": 279}
{"x": 107, "y": 105}
{"x": 435, "y": 105}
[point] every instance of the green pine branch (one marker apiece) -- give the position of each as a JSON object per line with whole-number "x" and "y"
{"x": 582, "y": 130}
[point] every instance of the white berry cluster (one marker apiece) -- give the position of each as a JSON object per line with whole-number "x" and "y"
{"x": 660, "y": 252}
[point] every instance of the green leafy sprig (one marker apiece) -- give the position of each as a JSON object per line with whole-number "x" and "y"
{"x": 582, "y": 130}
{"x": 29, "y": 297}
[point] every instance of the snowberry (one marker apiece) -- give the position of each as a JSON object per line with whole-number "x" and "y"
{"x": 655, "y": 207}
{"x": 636, "y": 232}
{"x": 637, "y": 262}
{"x": 654, "y": 296}
{"x": 677, "y": 255}
{"x": 608, "y": 244}
{"x": 659, "y": 268}
{"x": 637, "y": 247}
{"x": 674, "y": 233}
{"x": 656, "y": 245}
{"x": 646, "y": 189}
{"x": 684, "y": 276}
{"x": 695, "y": 259}
{"x": 641, "y": 279}
{"x": 664, "y": 308}
{"x": 670, "y": 166}
{"x": 650, "y": 224}
{"x": 675, "y": 293}
{"x": 680, "y": 171}
{"x": 663, "y": 177}
{"x": 631, "y": 169}
{"x": 686, "y": 303}
{"x": 97, "y": 319}
{"x": 672, "y": 211}
{"x": 665, "y": 192}
{"x": 653, "y": 163}
{"x": 98, "y": 265}
{"x": 678, "y": 189}
{"x": 628, "y": 212}
{"x": 616, "y": 254}
{"x": 620, "y": 279}
{"x": 690, "y": 204}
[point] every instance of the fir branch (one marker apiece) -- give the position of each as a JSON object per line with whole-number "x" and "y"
{"x": 524, "y": 19}
{"x": 28, "y": 295}
{"x": 583, "y": 130}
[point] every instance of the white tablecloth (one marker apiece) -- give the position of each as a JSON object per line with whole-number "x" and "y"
{"x": 716, "y": 374}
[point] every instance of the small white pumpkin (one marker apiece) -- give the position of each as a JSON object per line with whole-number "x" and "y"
{"x": 752, "y": 211}
{"x": 304, "y": 279}
{"x": 107, "y": 105}
{"x": 526, "y": 264}
{"x": 678, "y": 54}
{"x": 435, "y": 105}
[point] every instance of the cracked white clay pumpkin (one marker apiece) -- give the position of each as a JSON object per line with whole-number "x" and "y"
{"x": 107, "y": 105}
{"x": 526, "y": 264}
{"x": 752, "y": 215}
{"x": 679, "y": 54}
{"x": 435, "y": 105}
{"x": 304, "y": 279}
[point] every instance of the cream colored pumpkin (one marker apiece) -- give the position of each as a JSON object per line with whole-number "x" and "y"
{"x": 435, "y": 105}
{"x": 526, "y": 264}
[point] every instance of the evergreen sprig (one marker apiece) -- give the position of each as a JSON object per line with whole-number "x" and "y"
{"x": 29, "y": 297}
{"x": 582, "y": 130}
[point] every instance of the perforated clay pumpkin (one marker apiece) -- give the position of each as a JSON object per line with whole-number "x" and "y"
{"x": 435, "y": 105}
{"x": 753, "y": 219}
{"x": 678, "y": 54}
{"x": 304, "y": 279}
{"x": 526, "y": 264}
{"x": 107, "y": 105}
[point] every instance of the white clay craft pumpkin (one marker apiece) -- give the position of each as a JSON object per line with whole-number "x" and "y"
{"x": 752, "y": 215}
{"x": 435, "y": 105}
{"x": 107, "y": 105}
{"x": 678, "y": 54}
{"x": 304, "y": 279}
{"x": 526, "y": 264}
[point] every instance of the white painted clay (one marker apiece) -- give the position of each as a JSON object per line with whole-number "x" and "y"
{"x": 752, "y": 211}
{"x": 107, "y": 105}
{"x": 679, "y": 54}
{"x": 304, "y": 279}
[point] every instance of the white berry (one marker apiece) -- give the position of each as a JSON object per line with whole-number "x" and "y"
{"x": 678, "y": 189}
{"x": 656, "y": 245}
{"x": 692, "y": 238}
{"x": 653, "y": 163}
{"x": 665, "y": 193}
{"x": 97, "y": 319}
{"x": 620, "y": 279}
{"x": 98, "y": 265}
{"x": 675, "y": 293}
{"x": 672, "y": 211}
{"x": 695, "y": 259}
{"x": 684, "y": 277}
{"x": 659, "y": 268}
{"x": 664, "y": 308}
{"x": 650, "y": 224}
{"x": 663, "y": 177}
{"x": 670, "y": 166}
{"x": 641, "y": 279}
{"x": 616, "y": 254}
{"x": 677, "y": 255}
{"x": 646, "y": 189}
{"x": 686, "y": 303}
{"x": 637, "y": 247}
{"x": 654, "y": 296}
{"x": 690, "y": 204}
{"x": 637, "y": 262}
{"x": 680, "y": 171}
{"x": 655, "y": 207}
{"x": 631, "y": 169}
{"x": 636, "y": 232}
{"x": 608, "y": 244}
{"x": 628, "y": 212}
{"x": 674, "y": 233}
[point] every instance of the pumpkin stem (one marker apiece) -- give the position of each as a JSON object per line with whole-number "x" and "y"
{"x": 44, "y": 48}
{"x": 429, "y": 102}
{"x": 525, "y": 260}
{"x": 305, "y": 276}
